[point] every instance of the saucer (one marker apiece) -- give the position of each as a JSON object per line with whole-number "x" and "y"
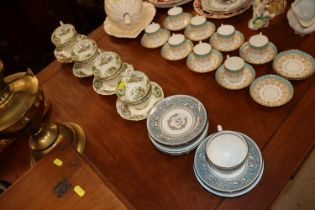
{"x": 168, "y": 3}
{"x": 82, "y": 70}
{"x": 251, "y": 172}
{"x": 217, "y": 6}
{"x": 128, "y": 112}
{"x": 220, "y": 44}
{"x": 263, "y": 56}
{"x": 220, "y": 15}
{"x": 177, "y": 120}
{"x": 194, "y": 33}
{"x": 180, "y": 150}
{"x": 105, "y": 87}
{"x": 172, "y": 25}
{"x": 175, "y": 53}
{"x": 211, "y": 64}
{"x": 247, "y": 78}
{"x": 294, "y": 64}
{"x": 113, "y": 29}
{"x": 271, "y": 90}
{"x": 160, "y": 38}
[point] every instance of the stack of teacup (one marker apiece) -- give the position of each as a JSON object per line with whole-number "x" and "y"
{"x": 177, "y": 124}
{"x": 228, "y": 163}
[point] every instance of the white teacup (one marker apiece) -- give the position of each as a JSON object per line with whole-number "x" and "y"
{"x": 176, "y": 40}
{"x": 227, "y": 152}
{"x": 258, "y": 41}
{"x": 202, "y": 49}
{"x": 234, "y": 68}
{"x": 226, "y": 31}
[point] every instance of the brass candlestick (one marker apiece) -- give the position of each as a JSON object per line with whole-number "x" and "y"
{"x": 22, "y": 107}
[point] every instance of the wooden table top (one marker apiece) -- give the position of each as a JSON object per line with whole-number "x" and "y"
{"x": 149, "y": 179}
{"x": 54, "y": 181}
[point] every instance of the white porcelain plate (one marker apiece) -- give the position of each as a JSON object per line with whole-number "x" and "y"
{"x": 294, "y": 64}
{"x": 271, "y": 90}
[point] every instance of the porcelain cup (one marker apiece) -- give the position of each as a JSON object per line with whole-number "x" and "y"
{"x": 227, "y": 151}
{"x": 176, "y": 40}
{"x": 258, "y": 41}
{"x": 202, "y": 49}
{"x": 226, "y": 31}
{"x": 176, "y": 15}
{"x": 234, "y": 68}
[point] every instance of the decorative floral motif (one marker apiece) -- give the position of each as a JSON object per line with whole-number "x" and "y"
{"x": 177, "y": 121}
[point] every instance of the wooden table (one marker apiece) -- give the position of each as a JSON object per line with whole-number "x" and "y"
{"x": 54, "y": 181}
{"x": 151, "y": 180}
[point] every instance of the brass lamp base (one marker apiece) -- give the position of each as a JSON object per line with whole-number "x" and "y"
{"x": 50, "y": 134}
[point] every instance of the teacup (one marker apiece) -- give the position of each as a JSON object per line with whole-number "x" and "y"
{"x": 226, "y": 152}
{"x": 202, "y": 49}
{"x": 177, "y": 19}
{"x": 258, "y": 41}
{"x": 199, "y": 29}
{"x": 155, "y": 36}
{"x": 176, "y": 40}
{"x": 234, "y": 68}
{"x": 226, "y": 31}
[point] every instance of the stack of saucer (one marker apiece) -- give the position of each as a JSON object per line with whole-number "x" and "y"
{"x": 228, "y": 164}
{"x": 177, "y": 124}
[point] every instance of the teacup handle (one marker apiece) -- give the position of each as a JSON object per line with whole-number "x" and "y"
{"x": 219, "y": 128}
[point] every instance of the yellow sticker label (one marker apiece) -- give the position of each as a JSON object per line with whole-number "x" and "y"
{"x": 78, "y": 190}
{"x": 58, "y": 162}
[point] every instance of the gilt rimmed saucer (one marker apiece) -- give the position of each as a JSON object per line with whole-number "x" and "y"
{"x": 246, "y": 179}
{"x": 82, "y": 70}
{"x": 294, "y": 64}
{"x": 168, "y": 3}
{"x": 177, "y": 120}
{"x": 198, "y": 33}
{"x": 217, "y": 6}
{"x": 113, "y": 29}
{"x": 180, "y": 150}
{"x": 223, "y": 79}
{"x": 255, "y": 56}
{"x": 175, "y": 53}
{"x": 105, "y": 87}
{"x": 129, "y": 112}
{"x": 271, "y": 90}
{"x": 177, "y": 23}
{"x": 155, "y": 40}
{"x": 226, "y": 44}
{"x": 206, "y": 63}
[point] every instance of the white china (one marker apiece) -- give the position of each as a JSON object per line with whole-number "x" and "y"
{"x": 177, "y": 48}
{"x": 226, "y": 43}
{"x": 294, "y": 64}
{"x": 168, "y": 3}
{"x": 271, "y": 90}
{"x": 234, "y": 67}
{"x": 258, "y": 50}
{"x": 155, "y": 36}
{"x": 133, "y": 29}
{"x": 132, "y": 112}
{"x": 204, "y": 59}
{"x": 222, "y": 5}
{"x": 199, "y": 29}
{"x": 304, "y": 11}
{"x": 226, "y": 30}
{"x": 296, "y": 25}
{"x": 176, "y": 19}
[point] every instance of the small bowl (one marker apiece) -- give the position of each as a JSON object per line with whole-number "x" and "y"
{"x": 227, "y": 151}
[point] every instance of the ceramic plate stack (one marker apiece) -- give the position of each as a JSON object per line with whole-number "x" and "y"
{"x": 218, "y": 9}
{"x": 177, "y": 124}
{"x": 248, "y": 177}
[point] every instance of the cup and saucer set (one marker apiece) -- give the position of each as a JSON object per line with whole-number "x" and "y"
{"x": 155, "y": 36}
{"x": 107, "y": 69}
{"x": 227, "y": 39}
{"x": 204, "y": 59}
{"x": 136, "y": 94}
{"x": 176, "y": 48}
{"x": 84, "y": 53}
{"x": 235, "y": 74}
{"x": 199, "y": 29}
{"x": 176, "y": 19}
{"x": 228, "y": 163}
{"x": 177, "y": 124}
{"x": 258, "y": 50}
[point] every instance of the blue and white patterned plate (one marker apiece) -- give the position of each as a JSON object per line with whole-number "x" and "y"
{"x": 177, "y": 120}
{"x": 251, "y": 172}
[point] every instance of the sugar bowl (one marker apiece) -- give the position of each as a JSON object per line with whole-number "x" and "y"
{"x": 64, "y": 38}
{"x": 83, "y": 54}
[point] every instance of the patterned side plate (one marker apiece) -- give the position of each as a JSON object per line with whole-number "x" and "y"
{"x": 247, "y": 78}
{"x": 254, "y": 56}
{"x": 227, "y": 44}
{"x": 177, "y": 120}
{"x": 206, "y": 63}
{"x": 130, "y": 113}
{"x": 198, "y": 33}
{"x": 177, "y": 23}
{"x": 271, "y": 90}
{"x": 294, "y": 64}
{"x": 217, "y": 6}
{"x": 168, "y": 3}
{"x": 158, "y": 39}
{"x": 249, "y": 175}
{"x": 180, "y": 150}
{"x": 220, "y": 15}
{"x": 178, "y": 52}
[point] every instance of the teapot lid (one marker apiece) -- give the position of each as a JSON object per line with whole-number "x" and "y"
{"x": 107, "y": 65}
{"x": 63, "y": 34}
